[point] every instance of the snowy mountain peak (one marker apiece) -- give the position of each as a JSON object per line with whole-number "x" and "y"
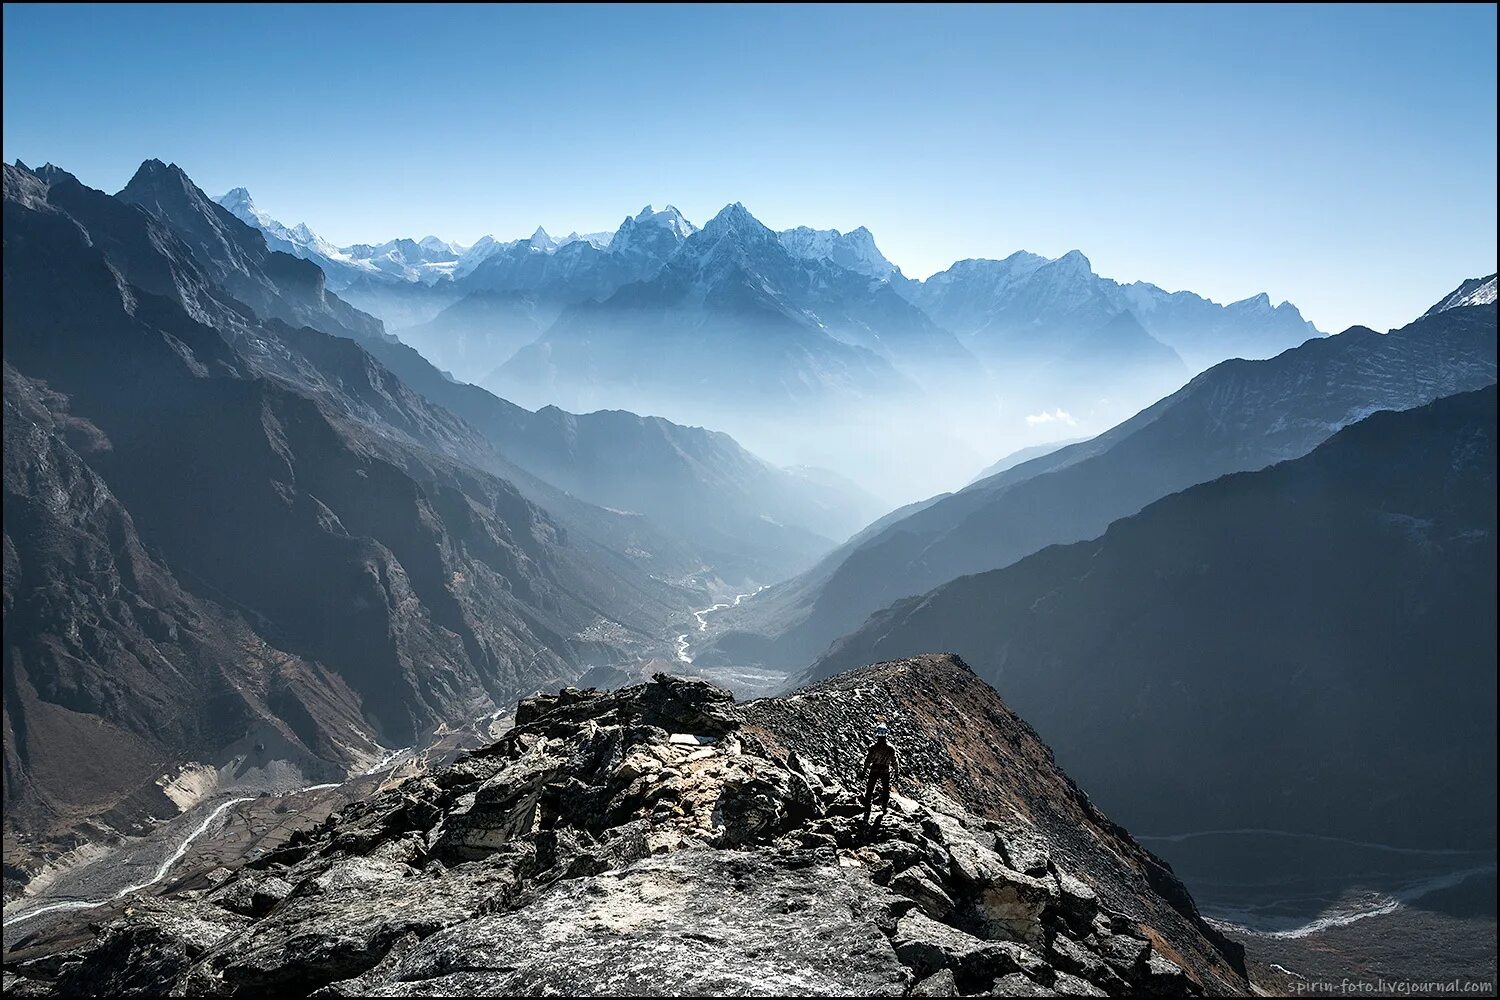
{"x": 434, "y": 245}
{"x": 1074, "y": 260}
{"x": 854, "y": 250}
{"x": 239, "y": 204}
{"x": 669, "y": 218}
{"x": 236, "y": 196}
{"x": 1473, "y": 292}
{"x": 734, "y": 216}
{"x": 541, "y": 241}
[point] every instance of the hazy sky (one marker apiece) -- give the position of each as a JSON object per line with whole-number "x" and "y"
{"x": 1339, "y": 157}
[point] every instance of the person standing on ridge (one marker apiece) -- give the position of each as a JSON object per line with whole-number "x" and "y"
{"x": 880, "y": 768}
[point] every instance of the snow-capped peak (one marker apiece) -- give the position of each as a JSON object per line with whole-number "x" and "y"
{"x": 1074, "y": 261}
{"x": 481, "y": 250}
{"x": 669, "y": 218}
{"x": 434, "y": 245}
{"x": 1474, "y": 292}
{"x": 541, "y": 241}
{"x": 854, "y": 250}
{"x": 239, "y": 204}
{"x": 734, "y": 217}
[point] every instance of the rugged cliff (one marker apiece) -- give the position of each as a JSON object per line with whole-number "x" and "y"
{"x": 662, "y": 839}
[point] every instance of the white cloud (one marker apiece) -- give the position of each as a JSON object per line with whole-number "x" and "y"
{"x": 1057, "y": 416}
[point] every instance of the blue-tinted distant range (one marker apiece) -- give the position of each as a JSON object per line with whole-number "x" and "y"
{"x": 760, "y": 333}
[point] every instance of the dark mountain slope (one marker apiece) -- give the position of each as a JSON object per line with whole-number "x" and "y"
{"x": 1310, "y": 647}
{"x": 1239, "y": 415}
{"x": 743, "y": 518}
{"x": 414, "y": 589}
{"x": 274, "y": 284}
{"x": 109, "y": 658}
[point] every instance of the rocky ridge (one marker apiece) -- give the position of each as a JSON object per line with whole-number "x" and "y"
{"x": 662, "y": 839}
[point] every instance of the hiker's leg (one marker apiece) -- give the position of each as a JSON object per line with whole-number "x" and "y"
{"x": 869, "y": 794}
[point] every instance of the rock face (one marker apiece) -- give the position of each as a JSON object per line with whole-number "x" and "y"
{"x": 664, "y": 840}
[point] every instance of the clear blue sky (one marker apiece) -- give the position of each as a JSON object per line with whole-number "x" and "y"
{"x": 1340, "y": 157}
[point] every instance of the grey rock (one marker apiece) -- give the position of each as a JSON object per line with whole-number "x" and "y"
{"x": 1071, "y": 986}
{"x": 919, "y": 884}
{"x": 1126, "y": 954}
{"x": 1078, "y": 902}
{"x": 252, "y": 895}
{"x": 1012, "y": 907}
{"x": 148, "y": 950}
{"x": 939, "y": 984}
{"x": 650, "y": 928}
{"x": 1017, "y": 985}
{"x": 927, "y": 946}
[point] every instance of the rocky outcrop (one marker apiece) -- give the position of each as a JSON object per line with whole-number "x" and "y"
{"x": 664, "y": 840}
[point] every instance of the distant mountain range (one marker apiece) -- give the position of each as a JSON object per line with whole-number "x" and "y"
{"x": 1237, "y": 416}
{"x": 1022, "y": 306}
{"x": 1309, "y": 647}
{"x": 732, "y": 318}
{"x": 558, "y": 321}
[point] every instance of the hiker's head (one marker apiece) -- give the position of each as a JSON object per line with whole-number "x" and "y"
{"x": 881, "y": 732}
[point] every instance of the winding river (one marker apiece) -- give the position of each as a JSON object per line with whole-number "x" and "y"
{"x": 683, "y": 644}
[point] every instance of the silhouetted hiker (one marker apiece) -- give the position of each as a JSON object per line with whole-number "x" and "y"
{"x": 880, "y": 768}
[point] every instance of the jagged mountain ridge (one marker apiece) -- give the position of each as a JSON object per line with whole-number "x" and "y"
{"x": 662, "y": 839}
{"x": 998, "y": 305}
{"x": 732, "y": 315}
{"x": 1237, "y": 416}
{"x": 1229, "y": 657}
{"x": 1020, "y": 313}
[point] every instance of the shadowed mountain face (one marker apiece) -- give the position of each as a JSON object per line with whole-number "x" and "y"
{"x": 276, "y": 285}
{"x": 1239, "y": 415}
{"x": 663, "y": 840}
{"x": 1309, "y": 648}
{"x": 732, "y": 515}
{"x": 209, "y": 547}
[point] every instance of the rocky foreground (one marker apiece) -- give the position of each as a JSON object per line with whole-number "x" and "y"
{"x": 664, "y": 840}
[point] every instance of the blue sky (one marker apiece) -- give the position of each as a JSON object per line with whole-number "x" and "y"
{"x": 1340, "y": 157}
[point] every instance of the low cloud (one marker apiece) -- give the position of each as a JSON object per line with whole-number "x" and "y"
{"x": 1057, "y": 416}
